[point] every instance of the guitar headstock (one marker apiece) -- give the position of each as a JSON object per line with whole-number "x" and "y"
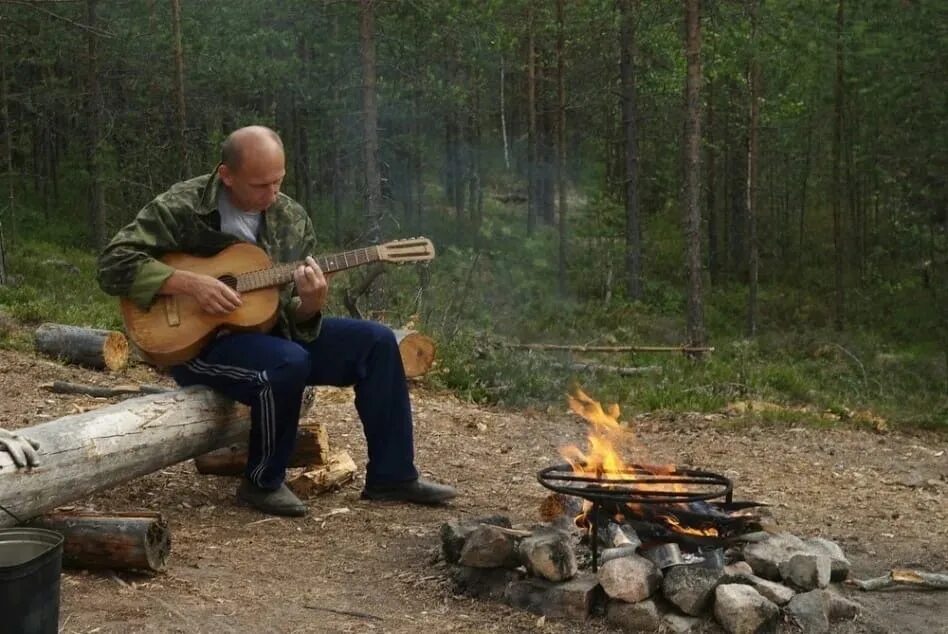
{"x": 410, "y": 250}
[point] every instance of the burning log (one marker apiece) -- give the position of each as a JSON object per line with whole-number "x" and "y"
{"x": 311, "y": 450}
{"x": 97, "y": 349}
{"x": 121, "y": 541}
{"x": 86, "y": 453}
{"x": 417, "y": 352}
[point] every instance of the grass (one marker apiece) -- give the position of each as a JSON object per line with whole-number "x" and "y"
{"x": 501, "y": 286}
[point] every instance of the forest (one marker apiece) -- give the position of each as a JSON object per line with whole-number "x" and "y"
{"x": 758, "y": 186}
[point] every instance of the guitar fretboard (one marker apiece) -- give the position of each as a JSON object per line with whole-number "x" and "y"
{"x": 283, "y": 273}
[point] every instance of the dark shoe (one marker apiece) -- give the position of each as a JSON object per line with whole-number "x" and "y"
{"x": 415, "y": 491}
{"x": 280, "y": 501}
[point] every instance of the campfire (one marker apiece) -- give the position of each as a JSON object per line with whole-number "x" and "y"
{"x": 667, "y": 507}
{"x": 648, "y": 546}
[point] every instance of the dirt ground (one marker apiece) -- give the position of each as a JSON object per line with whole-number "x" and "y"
{"x": 881, "y": 496}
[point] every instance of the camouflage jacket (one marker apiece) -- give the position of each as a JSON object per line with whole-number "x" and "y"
{"x": 185, "y": 218}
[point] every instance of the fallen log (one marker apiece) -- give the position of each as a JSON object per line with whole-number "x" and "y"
{"x": 97, "y": 349}
{"x": 101, "y": 391}
{"x": 585, "y": 348}
{"x": 417, "y": 352}
{"x": 312, "y": 450}
{"x": 120, "y": 541}
{"x": 611, "y": 369}
{"x": 337, "y": 471}
{"x": 902, "y": 577}
{"x": 89, "y": 452}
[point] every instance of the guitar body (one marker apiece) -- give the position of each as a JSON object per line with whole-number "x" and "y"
{"x": 175, "y": 329}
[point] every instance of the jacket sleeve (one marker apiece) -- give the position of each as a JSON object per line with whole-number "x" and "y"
{"x": 129, "y": 266}
{"x": 304, "y": 243}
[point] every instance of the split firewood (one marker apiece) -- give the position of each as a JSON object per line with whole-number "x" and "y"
{"x": 902, "y": 577}
{"x": 120, "y": 541}
{"x": 417, "y": 352}
{"x": 98, "y": 349}
{"x": 65, "y": 387}
{"x": 340, "y": 469}
{"x": 311, "y": 450}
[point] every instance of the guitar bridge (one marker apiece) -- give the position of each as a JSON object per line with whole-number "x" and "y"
{"x": 172, "y": 316}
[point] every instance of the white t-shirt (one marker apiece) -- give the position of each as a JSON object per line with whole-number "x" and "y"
{"x": 237, "y": 222}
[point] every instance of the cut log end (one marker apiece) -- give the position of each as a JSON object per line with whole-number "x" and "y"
{"x": 115, "y": 351}
{"x": 340, "y": 469}
{"x": 158, "y": 544}
{"x": 417, "y": 352}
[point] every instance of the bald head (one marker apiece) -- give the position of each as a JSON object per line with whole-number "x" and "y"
{"x": 253, "y": 139}
{"x": 252, "y": 167}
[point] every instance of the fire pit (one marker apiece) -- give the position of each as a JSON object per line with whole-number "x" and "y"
{"x": 663, "y": 504}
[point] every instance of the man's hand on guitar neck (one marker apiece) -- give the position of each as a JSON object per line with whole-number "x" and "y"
{"x": 211, "y": 294}
{"x": 312, "y": 288}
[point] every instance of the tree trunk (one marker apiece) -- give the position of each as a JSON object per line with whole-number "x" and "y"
{"x": 753, "y": 135}
{"x": 90, "y": 452}
{"x": 532, "y": 202}
{"x": 8, "y": 160}
{"x": 692, "y": 220}
{"x": 561, "y": 144}
{"x": 633, "y": 222}
{"x": 98, "y": 349}
{"x": 714, "y": 257}
{"x": 93, "y": 114}
{"x": 839, "y": 302}
{"x": 180, "y": 113}
{"x": 370, "y": 122}
{"x": 118, "y": 541}
{"x": 503, "y": 118}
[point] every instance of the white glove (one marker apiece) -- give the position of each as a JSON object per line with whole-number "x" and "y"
{"x": 22, "y": 450}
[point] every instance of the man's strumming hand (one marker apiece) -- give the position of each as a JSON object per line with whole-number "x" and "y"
{"x": 211, "y": 294}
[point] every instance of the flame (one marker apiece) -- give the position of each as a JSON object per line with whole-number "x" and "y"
{"x": 675, "y": 525}
{"x": 602, "y": 460}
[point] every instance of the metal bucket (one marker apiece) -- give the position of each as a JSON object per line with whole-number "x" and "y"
{"x": 30, "y": 563}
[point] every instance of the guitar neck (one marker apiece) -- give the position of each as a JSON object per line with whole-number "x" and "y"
{"x": 283, "y": 273}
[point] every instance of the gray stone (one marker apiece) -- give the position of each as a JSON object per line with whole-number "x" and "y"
{"x": 455, "y": 533}
{"x": 841, "y": 608}
{"x": 806, "y": 571}
{"x": 528, "y": 594}
{"x": 549, "y": 555}
{"x": 738, "y": 568}
{"x": 573, "y": 600}
{"x": 489, "y": 547}
{"x": 644, "y": 616}
{"x": 742, "y": 610}
{"x": 766, "y": 555}
{"x": 839, "y": 565}
{"x": 691, "y": 588}
{"x": 776, "y": 592}
{"x": 629, "y": 579}
{"x": 810, "y": 611}
{"x": 483, "y": 583}
{"x": 681, "y": 624}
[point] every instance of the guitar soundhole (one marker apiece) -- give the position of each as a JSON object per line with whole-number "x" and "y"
{"x": 230, "y": 280}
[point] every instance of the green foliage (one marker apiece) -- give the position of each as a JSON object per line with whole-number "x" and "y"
{"x": 51, "y": 283}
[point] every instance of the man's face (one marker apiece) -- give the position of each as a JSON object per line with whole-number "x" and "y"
{"x": 256, "y": 184}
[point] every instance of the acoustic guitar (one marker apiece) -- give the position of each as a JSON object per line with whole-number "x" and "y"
{"x": 174, "y": 328}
